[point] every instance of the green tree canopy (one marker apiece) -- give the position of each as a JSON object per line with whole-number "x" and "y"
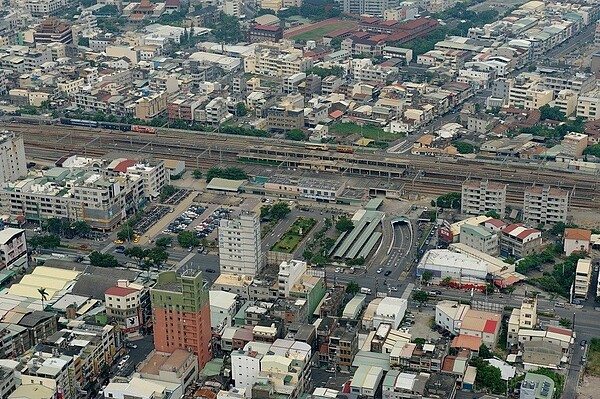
{"x": 187, "y": 239}
{"x": 420, "y": 296}
{"x": 197, "y": 174}
{"x": 484, "y": 352}
{"x": 126, "y": 233}
{"x": 279, "y": 210}
{"x": 167, "y": 191}
{"x": 49, "y": 241}
{"x": 103, "y": 260}
{"x": 450, "y": 200}
{"x": 232, "y": 173}
{"x": 241, "y": 109}
{"x": 427, "y": 276}
{"x": 488, "y": 376}
{"x": 295, "y": 135}
{"x": 344, "y": 224}
{"x": 164, "y": 242}
{"x": 463, "y": 147}
{"x": 352, "y": 287}
{"x": 553, "y": 113}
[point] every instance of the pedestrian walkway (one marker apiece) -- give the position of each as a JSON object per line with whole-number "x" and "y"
{"x": 185, "y": 260}
{"x": 407, "y": 291}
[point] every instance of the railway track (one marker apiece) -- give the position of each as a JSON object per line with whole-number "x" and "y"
{"x": 205, "y": 149}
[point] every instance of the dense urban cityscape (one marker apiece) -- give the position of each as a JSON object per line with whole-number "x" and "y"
{"x": 299, "y": 199}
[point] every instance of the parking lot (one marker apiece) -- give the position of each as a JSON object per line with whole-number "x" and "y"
{"x": 183, "y": 221}
{"x": 152, "y": 215}
{"x": 176, "y": 198}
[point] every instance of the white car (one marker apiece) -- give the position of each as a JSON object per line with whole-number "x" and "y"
{"x": 393, "y": 289}
{"x": 380, "y": 270}
{"x": 338, "y": 269}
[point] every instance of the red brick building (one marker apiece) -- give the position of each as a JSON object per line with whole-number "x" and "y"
{"x": 181, "y": 314}
{"x": 263, "y": 33}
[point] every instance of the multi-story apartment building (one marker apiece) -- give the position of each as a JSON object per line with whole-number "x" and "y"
{"x": 481, "y": 196}
{"x": 45, "y": 8}
{"x": 151, "y": 106}
{"x": 529, "y": 92}
{"x": 51, "y": 372}
{"x": 566, "y": 101}
{"x": 545, "y": 204}
{"x": 479, "y": 238}
{"x": 233, "y": 8}
{"x": 154, "y": 176}
{"x": 101, "y": 197}
{"x": 181, "y": 313}
{"x": 583, "y": 278}
{"x": 525, "y": 317}
{"x": 183, "y": 107}
{"x": 518, "y": 241}
{"x": 588, "y": 105}
{"x": 343, "y": 345}
{"x": 285, "y": 119}
{"x": 282, "y": 368}
{"x": 330, "y": 84}
{"x": 289, "y": 273}
{"x": 240, "y": 245}
{"x": 277, "y": 59}
{"x": 264, "y": 33}
{"x": 13, "y": 164}
{"x": 217, "y": 111}
{"x": 53, "y": 30}
{"x": 374, "y": 8}
{"x": 13, "y": 248}
{"x": 124, "y": 307}
{"x": 578, "y": 83}
{"x": 573, "y": 144}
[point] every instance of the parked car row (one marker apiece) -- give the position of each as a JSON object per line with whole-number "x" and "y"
{"x": 177, "y": 197}
{"x": 151, "y": 216}
{"x": 185, "y": 219}
{"x": 209, "y": 224}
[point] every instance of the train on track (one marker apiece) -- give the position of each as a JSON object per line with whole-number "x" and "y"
{"x": 325, "y": 147}
{"x": 124, "y": 127}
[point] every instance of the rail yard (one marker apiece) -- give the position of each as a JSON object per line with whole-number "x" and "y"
{"x": 420, "y": 175}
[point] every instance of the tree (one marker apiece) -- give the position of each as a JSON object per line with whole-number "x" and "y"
{"x": 197, "y": 174}
{"x": 432, "y": 215}
{"x": 54, "y": 226}
{"x": 352, "y": 287}
{"x": 565, "y": 322}
{"x": 241, "y": 109}
{"x": 81, "y": 228}
{"x": 228, "y": 30}
{"x": 492, "y": 214}
{"x": 84, "y": 41}
{"x": 187, "y": 239}
{"x": 164, "y": 242}
{"x": 167, "y": 191}
{"x": 446, "y": 281}
{"x": 43, "y": 295}
{"x": 463, "y": 147}
{"x": 232, "y": 173}
{"x": 279, "y": 210}
{"x": 308, "y": 255}
{"x": 484, "y": 352}
{"x": 155, "y": 257}
{"x": 420, "y": 296}
{"x": 136, "y": 253}
{"x": 553, "y": 113}
{"x": 126, "y": 233}
{"x": 488, "y": 376}
{"x": 426, "y": 276}
{"x": 49, "y": 241}
{"x": 450, "y": 200}
{"x": 295, "y": 135}
{"x": 103, "y": 260}
{"x": 344, "y": 224}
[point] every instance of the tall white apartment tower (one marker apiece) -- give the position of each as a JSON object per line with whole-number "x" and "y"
{"x": 12, "y": 157}
{"x": 239, "y": 245}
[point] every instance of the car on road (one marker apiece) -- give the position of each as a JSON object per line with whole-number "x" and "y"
{"x": 583, "y": 342}
{"x": 118, "y": 242}
{"x": 393, "y": 289}
{"x": 209, "y": 270}
{"x": 387, "y": 273}
{"x": 120, "y": 249}
{"x": 131, "y": 346}
{"x": 338, "y": 269}
{"x": 379, "y": 270}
